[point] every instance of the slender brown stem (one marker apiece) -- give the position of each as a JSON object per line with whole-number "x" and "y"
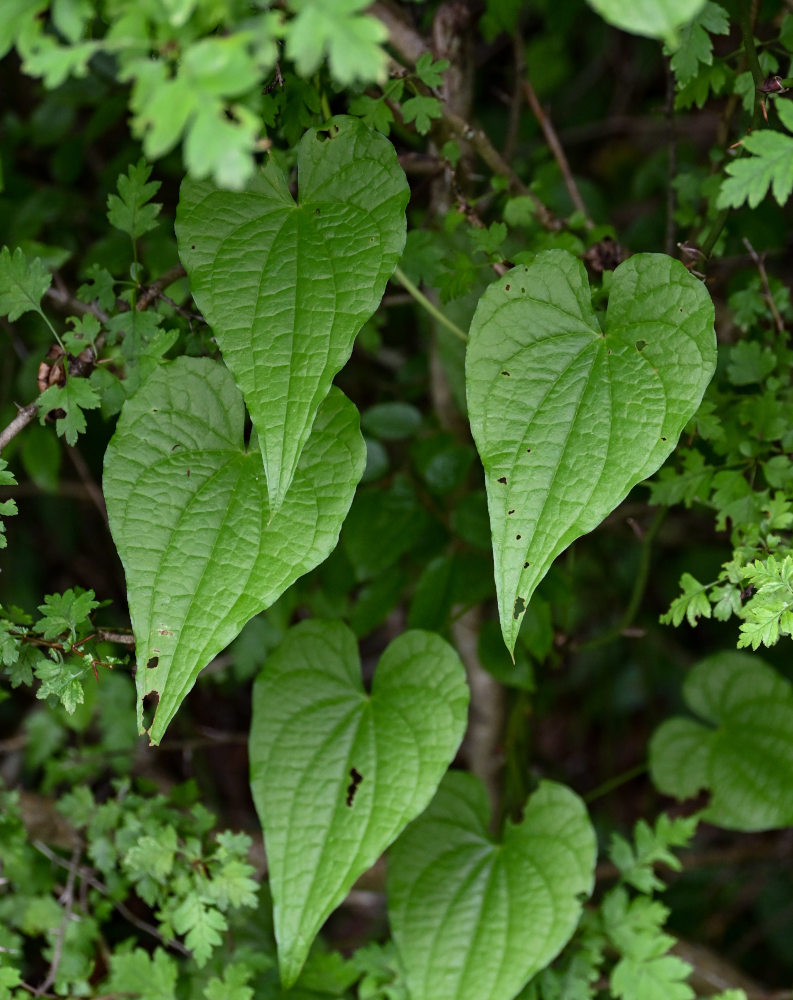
{"x": 556, "y": 148}
{"x": 153, "y": 291}
{"x": 91, "y": 488}
{"x": 779, "y": 323}
{"x": 60, "y": 934}
{"x": 127, "y": 914}
{"x": 26, "y": 415}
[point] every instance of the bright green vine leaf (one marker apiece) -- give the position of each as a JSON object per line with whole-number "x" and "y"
{"x": 568, "y": 417}
{"x": 650, "y": 18}
{"x": 742, "y": 751}
{"x": 286, "y": 286}
{"x": 474, "y": 919}
{"x": 188, "y": 512}
{"x": 336, "y": 774}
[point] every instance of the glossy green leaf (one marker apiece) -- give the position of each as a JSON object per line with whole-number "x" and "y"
{"x": 742, "y": 750}
{"x": 651, "y": 18}
{"x": 568, "y": 417}
{"x": 474, "y": 919}
{"x": 189, "y": 515}
{"x": 336, "y": 774}
{"x": 286, "y": 286}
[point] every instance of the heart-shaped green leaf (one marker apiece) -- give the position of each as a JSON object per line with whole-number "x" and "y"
{"x": 742, "y": 753}
{"x": 286, "y": 286}
{"x": 474, "y": 919}
{"x": 336, "y": 774}
{"x": 567, "y": 417}
{"x": 188, "y": 512}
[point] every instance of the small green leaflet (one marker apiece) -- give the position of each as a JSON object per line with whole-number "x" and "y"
{"x": 568, "y": 417}
{"x": 74, "y": 396}
{"x": 769, "y": 165}
{"x": 286, "y": 286}
{"x": 473, "y": 919}
{"x": 696, "y": 45}
{"x": 421, "y": 110}
{"x": 22, "y": 284}
{"x": 651, "y": 18}
{"x": 742, "y": 751}
{"x": 149, "y": 978}
{"x": 769, "y": 611}
{"x": 7, "y": 507}
{"x": 129, "y": 210}
{"x": 190, "y": 518}
{"x": 336, "y": 774}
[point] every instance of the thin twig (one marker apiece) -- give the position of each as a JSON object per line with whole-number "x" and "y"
{"x": 91, "y": 488}
{"x": 156, "y": 288}
{"x": 556, "y": 148}
{"x": 122, "y": 638}
{"x": 60, "y": 296}
{"x": 86, "y": 876}
{"x": 515, "y": 100}
{"x": 60, "y": 934}
{"x": 760, "y": 264}
{"x": 25, "y": 415}
{"x": 488, "y": 152}
{"x": 410, "y": 45}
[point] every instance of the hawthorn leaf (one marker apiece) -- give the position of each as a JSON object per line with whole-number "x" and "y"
{"x": 568, "y": 417}
{"x": 474, "y": 919}
{"x": 22, "y": 284}
{"x": 649, "y": 18}
{"x": 286, "y": 286}
{"x": 351, "y": 39}
{"x": 770, "y": 165}
{"x": 188, "y": 512}
{"x": 742, "y": 750}
{"x": 129, "y": 210}
{"x": 336, "y": 773}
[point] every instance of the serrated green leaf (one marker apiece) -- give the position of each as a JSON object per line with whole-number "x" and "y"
{"x": 7, "y": 507}
{"x": 692, "y": 604}
{"x": 128, "y": 210}
{"x": 74, "y": 396}
{"x": 769, "y": 166}
{"x": 567, "y": 417}
{"x": 337, "y": 774}
{"x": 696, "y": 46}
{"x": 17, "y": 16}
{"x": 148, "y": 978}
{"x": 22, "y": 284}
{"x": 62, "y": 679}
{"x": 202, "y": 926}
{"x": 421, "y": 110}
{"x": 336, "y": 28}
{"x": 742, "y": 753}
{"x": 286, "y": 287}
{"x": 233, "y": 985}
{"x": 651, "y": 18}
{"x": 429, "y": 71}
{"x": 661, "y": 977}
{"x": 474, "y": 919}
{"x": 189, "y": 515}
